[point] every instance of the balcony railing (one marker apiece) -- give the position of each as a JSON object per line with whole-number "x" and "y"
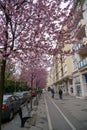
{"x": 79, "y": 46}
{"x": 82, "y": 50}
{"x": 82, "y": 63}
{"x": 79, "y": 32}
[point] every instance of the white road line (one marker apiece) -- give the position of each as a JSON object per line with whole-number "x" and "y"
{"x": 48, "y": 116}
{"x": 69, "y": 123}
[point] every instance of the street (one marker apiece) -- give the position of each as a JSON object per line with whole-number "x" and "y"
{"x": 69, "y": 113}
{"x": 37, "y": 122}
{"x": 43, "y": 57}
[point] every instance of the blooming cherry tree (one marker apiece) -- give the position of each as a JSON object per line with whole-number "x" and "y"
{"x": 33, "y": 26}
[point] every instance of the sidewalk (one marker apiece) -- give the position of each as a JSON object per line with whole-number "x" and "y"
{"x": 77, "y": 107}
{"x": 69, "y": 104}
{"x": 38, "y": 121}
{"x": 39, "y": 117}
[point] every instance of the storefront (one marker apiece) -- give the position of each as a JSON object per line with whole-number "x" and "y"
{"x": 78, "y": 86}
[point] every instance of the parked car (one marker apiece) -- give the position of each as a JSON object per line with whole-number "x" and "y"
{"x": 27, "y": 95}
{"x": 10, "y": 106}
{"x": 33, "y": 93}
{"x": 20, "y": 96}
{"x": 24, "y": 96}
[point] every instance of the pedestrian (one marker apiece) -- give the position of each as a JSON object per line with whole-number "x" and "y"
{"x": 60, "y": 93}
{"x": 52, "y": 92}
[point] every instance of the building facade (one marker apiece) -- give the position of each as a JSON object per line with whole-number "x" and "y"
{"x": 80, "y": 58}
{"x": 70, "y": 72}
{"x": 62, "y": 72}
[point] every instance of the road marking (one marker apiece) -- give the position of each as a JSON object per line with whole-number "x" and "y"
{"x": 69, "y": 123}
{"x": 48, "y": 116}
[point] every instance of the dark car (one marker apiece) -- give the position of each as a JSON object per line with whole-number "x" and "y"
{"x": 24, "y": 96}
{"x": 20, "y": 96}
{"x": 27, "y": 95}
{"x": 10, "y": 106}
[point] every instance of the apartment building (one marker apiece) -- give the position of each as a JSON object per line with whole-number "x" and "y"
{"x": 48, "y": 79}
{"x": 70, "y": 72}
{"x": 80, "y": 58}
{"x": 62, "y": 72}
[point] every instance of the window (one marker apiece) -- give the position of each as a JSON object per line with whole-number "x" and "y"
{"x": 65, "y": 68}
{"x": 70, "y": 82}
{"x": 75, "y": 65}
{"x": 77, "y": 80}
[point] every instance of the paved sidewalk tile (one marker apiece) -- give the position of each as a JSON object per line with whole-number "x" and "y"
{"x": 39, "y": 118}
{"x": 76, "y": 106}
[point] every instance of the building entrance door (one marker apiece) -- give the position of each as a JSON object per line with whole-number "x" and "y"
{"x": 78, "y": 90}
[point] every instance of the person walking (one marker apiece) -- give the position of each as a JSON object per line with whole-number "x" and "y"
{"x": 52, "y": 92}
{"x": 60, "y": 93}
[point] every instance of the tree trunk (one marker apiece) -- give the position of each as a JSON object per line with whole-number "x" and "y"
{"x": 31, "y": 100}
{"x": 31, "y": 92}
{"x": 2, "y": 81}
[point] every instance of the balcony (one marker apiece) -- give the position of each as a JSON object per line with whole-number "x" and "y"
{"x": 82, "y": 63}
{"x": 80, "y": 33}
{"x": 80, "y": 30}
{"x": 83, "y": 50}
{"x": 81, "y": 47}
{"x": 78, "y": 46}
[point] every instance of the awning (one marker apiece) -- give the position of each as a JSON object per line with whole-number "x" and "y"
{"x": 64, "y": 79}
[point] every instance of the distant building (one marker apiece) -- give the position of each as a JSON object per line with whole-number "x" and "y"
{"x": 48, "y": 80}
{"x": 63, "y": 72}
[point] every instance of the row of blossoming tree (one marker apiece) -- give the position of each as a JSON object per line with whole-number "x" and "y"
{"x": 33, "y": 28}
{"x": 34, "y": 72}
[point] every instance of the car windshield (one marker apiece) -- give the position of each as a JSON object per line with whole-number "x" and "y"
{"x": 5, "y": 97}
{"x": 18, "y": 94}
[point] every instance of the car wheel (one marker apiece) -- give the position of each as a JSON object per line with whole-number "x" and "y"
{"x": 11, "y": 115}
